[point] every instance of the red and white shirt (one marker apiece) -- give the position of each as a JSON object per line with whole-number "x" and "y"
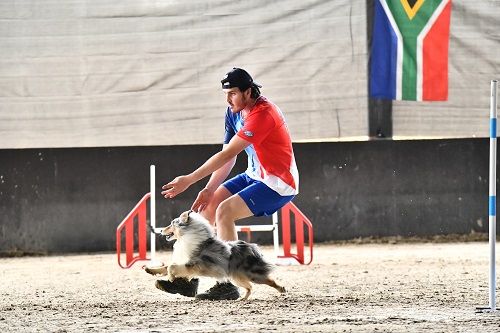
{"x": 270, "y": 156}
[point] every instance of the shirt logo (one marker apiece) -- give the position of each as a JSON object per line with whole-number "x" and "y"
{"x": 248, "y": 133}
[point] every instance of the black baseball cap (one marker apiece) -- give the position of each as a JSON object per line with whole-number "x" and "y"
{"x": 240, "y": 78}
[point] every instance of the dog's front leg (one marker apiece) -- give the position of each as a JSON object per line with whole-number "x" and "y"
{"x": 179, "y": 271}
{"x": 162, "y": 270}
{"x": 172, "y": 272}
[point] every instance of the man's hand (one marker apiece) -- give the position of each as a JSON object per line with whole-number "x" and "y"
{"x": 176, "y": 186}
{"x": 202, "y": 200}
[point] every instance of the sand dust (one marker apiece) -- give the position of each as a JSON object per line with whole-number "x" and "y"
{"x": 418, "y": 287}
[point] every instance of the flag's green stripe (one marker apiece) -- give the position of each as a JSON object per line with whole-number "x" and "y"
{"x": 409, "y": 30}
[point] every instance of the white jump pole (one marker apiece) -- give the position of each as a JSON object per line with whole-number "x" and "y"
{"x": 492, "y": 193}
{"x": 276, "y": 240}
{"x": 152, "y": 210}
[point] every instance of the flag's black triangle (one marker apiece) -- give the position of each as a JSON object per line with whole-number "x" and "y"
{"x": 411, "y": 3}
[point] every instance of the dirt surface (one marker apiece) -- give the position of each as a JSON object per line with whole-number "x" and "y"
{"x": 411, "y": 287}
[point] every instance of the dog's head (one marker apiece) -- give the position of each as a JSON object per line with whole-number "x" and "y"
{"x": 187, "y": 222}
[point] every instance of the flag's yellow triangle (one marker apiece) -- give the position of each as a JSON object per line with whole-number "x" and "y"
{"x": 411, "y": 11}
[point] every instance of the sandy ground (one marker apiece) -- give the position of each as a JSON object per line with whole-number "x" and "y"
{"x": 418, "y": 287}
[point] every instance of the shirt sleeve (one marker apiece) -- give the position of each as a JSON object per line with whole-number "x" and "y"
{"x": 229, "y": 131}
{"x": 257, "y": 127}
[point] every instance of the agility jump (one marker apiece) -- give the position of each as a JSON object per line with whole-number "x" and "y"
{"x": 134, "y": 228}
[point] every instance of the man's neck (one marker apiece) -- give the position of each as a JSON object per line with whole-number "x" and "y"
{"x": 249, "y": 107}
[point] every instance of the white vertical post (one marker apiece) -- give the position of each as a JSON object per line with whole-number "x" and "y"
{"x": 492, "y": 193}
{"x": 152, "y": 202}
{"x": 276, "y": 234}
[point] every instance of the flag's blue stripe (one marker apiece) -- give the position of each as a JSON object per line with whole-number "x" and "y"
{"x": 383, "y": 56}
{"x": 493, "y": 127}
{"x": 493, "y": 205}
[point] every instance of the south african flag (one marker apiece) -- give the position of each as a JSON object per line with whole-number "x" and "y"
{"x": 409, "y": 53}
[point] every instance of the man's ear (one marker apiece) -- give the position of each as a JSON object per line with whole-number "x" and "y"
{"x": 248, "y": 92}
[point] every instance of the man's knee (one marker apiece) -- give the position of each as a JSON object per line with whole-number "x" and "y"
{"x": 223, "y": 211}
{"x": 232, "y": 209}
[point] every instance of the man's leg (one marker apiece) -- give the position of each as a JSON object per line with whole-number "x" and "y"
{"x": 229, "y": 211}
{"x": 220, "y": 195}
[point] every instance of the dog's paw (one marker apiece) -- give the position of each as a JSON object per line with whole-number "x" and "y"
{"x": 160, "y": 271}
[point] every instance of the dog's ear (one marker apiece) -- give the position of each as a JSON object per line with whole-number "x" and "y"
{"x": 184, "y": 218}
{"x": 179, "y": 222}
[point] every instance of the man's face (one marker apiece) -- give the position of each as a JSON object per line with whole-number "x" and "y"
{"x": 237, "y": 99}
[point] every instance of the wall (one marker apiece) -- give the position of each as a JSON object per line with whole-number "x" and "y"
{"x": 72, "y": 199}
{"x": 81, "y": 73}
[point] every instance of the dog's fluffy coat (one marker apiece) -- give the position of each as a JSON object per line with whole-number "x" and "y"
{"x": 197, "y": 252}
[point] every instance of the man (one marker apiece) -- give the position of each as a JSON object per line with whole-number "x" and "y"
{"x": 255, "y": 125}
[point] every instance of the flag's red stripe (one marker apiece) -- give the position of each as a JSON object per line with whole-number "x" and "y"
{"x": 435, "y": 59}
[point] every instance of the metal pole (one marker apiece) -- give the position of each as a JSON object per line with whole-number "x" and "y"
{"x": 276, "y": 239}
{"x": 492, "y": 192}
{"x": 152, "y": 201}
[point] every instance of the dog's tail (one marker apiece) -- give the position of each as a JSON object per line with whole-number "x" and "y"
{"x": 247, "y": 259}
